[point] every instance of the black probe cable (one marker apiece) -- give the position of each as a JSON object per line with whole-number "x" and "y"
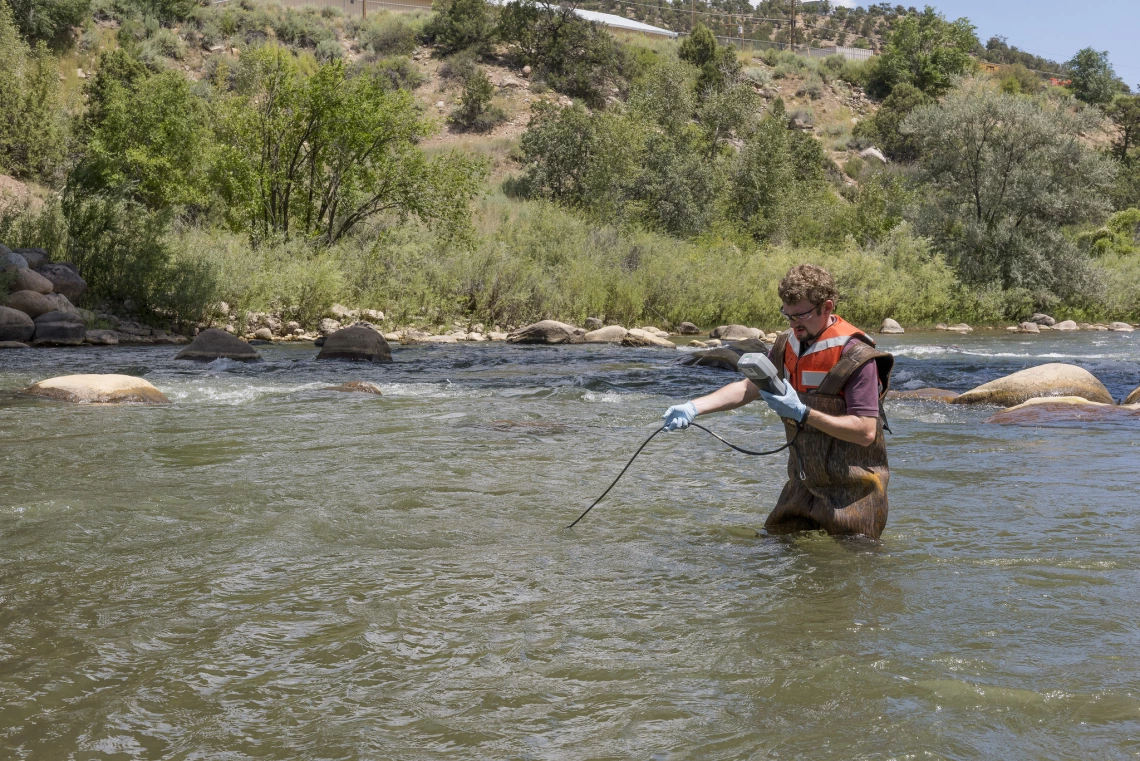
{"x": 729, "y": 444}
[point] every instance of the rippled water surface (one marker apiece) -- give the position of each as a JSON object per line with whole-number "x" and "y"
{"x": 265, "y": 569}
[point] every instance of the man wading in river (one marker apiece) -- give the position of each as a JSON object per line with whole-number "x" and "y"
{"x": 837, "y": 469}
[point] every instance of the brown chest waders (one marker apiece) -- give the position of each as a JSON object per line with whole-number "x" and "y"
{"x": 835, "y": 485}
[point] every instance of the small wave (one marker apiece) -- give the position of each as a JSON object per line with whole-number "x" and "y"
{"x": 937, "y": 351}
{"x": 233, "y": 394}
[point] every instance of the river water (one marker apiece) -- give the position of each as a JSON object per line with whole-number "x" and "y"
{"x": 265, "y": 569}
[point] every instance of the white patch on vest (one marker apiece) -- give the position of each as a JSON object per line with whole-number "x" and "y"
{"x": 827, "y": 343}
{"x": 794, "y": 342}
{"x": 812, "y": 379}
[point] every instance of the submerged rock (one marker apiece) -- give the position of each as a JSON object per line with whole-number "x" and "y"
{"x": 926, "y": 394}
{"x": 547, "y": 332}
{"x": 890, "y": 326}
{"x": 611, "y": 334}
{"x": 15, "y": 325}
{"x": 725, "y": 357}
{"x": 356, "y": 343}
{"x": 639, "y": 338}
{"x": 1050, "y": 380}
{"x": 59, "y": 329}
{"x": 98, "y": 389}
{"x": 357, "y": 387}
{"x": 213, "y": 344}
{"x": 1064, "y": 409}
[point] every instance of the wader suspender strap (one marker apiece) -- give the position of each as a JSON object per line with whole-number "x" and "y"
{"x": 852, "y": 360}
{"x": 778, "y": 354}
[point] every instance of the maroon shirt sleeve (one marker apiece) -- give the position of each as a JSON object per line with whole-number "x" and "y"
{"x": 861, "y": 391}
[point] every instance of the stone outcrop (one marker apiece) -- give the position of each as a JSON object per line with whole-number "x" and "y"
{"x": 641, "y": 338}
{"x": 98, "y": 389}
{"x": 66, "y": 280}
{"x": 611, "y": 334}
{"x": 15, "y": 325}
{"x": 735, "y": 333}
{"x": 725, "y": 357}
{"x": 356, "y": 343}
{"x": 31, "y": 303}
{"x": 1064, "y": 409}
{"x": 58, "y": 329}
{"x": 213, "y": 344}
{"x": 357, "y": 387}
{"x": 547, "y": 332}
{"x": 924, "y": 394}
{"x": 890, "y": 326}
{"x": 30, "y": 280}
{"x": 1050, "y": 380}
{"x": 688, "y": 329}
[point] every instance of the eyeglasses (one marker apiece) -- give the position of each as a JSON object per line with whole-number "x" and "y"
{"x": 798, "y": 317}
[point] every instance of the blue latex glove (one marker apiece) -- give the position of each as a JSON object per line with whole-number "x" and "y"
{"x": 788, "y": 404}
{"x": 679, "y": 416}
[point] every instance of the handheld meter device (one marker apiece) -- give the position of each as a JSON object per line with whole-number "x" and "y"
{"x": 760, "y": 370}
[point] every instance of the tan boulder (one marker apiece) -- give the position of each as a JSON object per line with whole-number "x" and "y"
{"x": 60, "y": 303}
{"x": 611, "y": 334}
{"x": 1028, "y": 327}
{"x": 30, "y": 280}
{"x": 357, "y": 387}
{"x": 31, "y": 303}
{"x": 1049, "y": 380}
{"x": 925, "y": 394}
{"x": 547, "y": 332}
{"x": 1066, "y": 325}
{"x": 890, "y": 326}
{"x": 13, "y": 345}
{"x": 1134, "y": 397}
{"x": 1064, "y": 409}
{"x": 688, "y": 329}
{"x": 1120, "y": 327}
{"x": 98, "y": 389}
{"x": 735, "y": 333}
{"x": 960, "y": 328}
{"x": 101, "y": 338}
{"x": 638, "y": 338}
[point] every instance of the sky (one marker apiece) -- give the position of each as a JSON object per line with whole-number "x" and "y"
{"x": 1056, "y": 29}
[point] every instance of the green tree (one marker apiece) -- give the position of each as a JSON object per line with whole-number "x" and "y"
{"x": 882, "y": 129}
{"x": 924, "y": 50}
{"x": 1094, "y": 80}
{"x": 461, "y": 25}
{"x": 31, "y": 129}
{"x": 48, "y": 21}
{"x": 717, "y": 64}
{"x": 322, "y": 154}
{"x": 1001, "y": 177}
{"x": 475, "y": 111}
{"x": 1125, "y": 114}
{"x": 151, "y": 142}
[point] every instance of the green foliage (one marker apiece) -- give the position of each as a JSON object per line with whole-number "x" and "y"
{"x": 397, "y": 73}
{"x": 570, "y": 54}
{"x": 1120, "y": 235}
{"x": 1017, "y": 79}
{"x": 151, "y": 142}
{"x": 1125, "y": 114}
{"x": 924, "y": 50}
{"x": 883, "y": 128}
{"x": 1002, "y": 175}
{"x": 718, "y": 65}
{"x": 461, "y": 25}
{"x": 1094, "y": 80}
{"x": 322, "y": 154}
{"x": 31, "y": 129}
{"x": 390, "y": 34}
{"x": 475, "y": 111}
{"x": 48, "y": 21}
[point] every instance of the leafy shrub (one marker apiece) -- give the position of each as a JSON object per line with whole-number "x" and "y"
{"x": 461, "y": 66}
{"x": 883, "y": 129}
{"x": 329, "y": 50}
{"x": 31, "y": 132}
{"x": 48, "y": 21}
{"x": 390, "y": 34}
{"x": 811, "y": 87}
{"x": 461, "y": 25}
{"x": 475, "y": 111}
{"x": 399, "y": 72}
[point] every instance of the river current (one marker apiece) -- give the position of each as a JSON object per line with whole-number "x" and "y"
{"x": 266, "y": 569}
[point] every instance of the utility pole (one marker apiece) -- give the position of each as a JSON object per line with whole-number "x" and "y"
{"x": 792, "y": 38}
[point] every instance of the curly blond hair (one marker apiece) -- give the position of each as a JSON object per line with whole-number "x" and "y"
{"x": 807, "y": 282}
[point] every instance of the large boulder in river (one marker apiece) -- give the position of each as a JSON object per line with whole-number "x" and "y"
{"x": 688, "y": 329}
{"x": 1064, "y": 409}
{"x": 735, "y": 333}
{"x": 30, "y": 303}
{"x": 98, "y": 389}
{"x": 65, "y": 279}
{"x": 890, "y": 326}
{"x": 611, "y": 334}
{"x": 15, "y": 325}
{"x": 548, "y": 332}
{"x": 725, "y": 357}
{"x": 59, "y": 329}
{"x": 1120, "y": 327}
{"x": 1042, "y": 319}
{"x": 30, "y": 280}
{"x": 1066, "y": 325}
{"x": 358, "y": 343}
{"x": 639, "y": 337}
{"x": 213, "y": 344}
{"x": 1053, "y": 379}
{"x": 1134, "y": 397}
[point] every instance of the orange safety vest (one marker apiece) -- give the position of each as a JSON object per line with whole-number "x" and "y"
{"x": 808, "y": 371}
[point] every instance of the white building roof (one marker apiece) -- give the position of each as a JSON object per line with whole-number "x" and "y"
{"x": 619, "y": 22}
